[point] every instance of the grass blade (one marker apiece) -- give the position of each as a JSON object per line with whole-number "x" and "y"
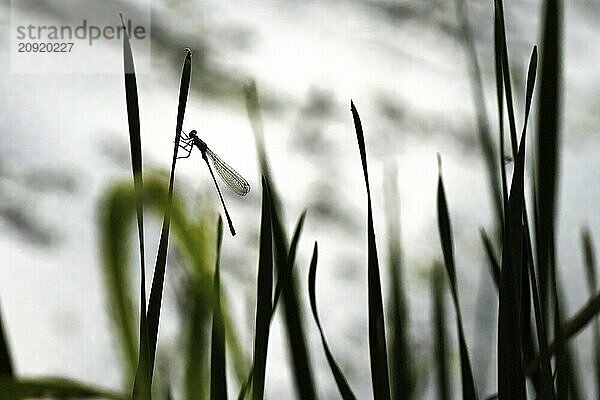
{"x": 339, "y": 377}
{"x": 141, "y": 388}
{"x": 403, "y": 376}
{"x": 499, "y": 28}
{"x": 493, "y": 260}
{"x": 591, "y": 274}
{"x": 377, "y": 344}
{"x": 294, "y": 325}
{"x": 483, "y": 125}
{"x": 547, "y": 168}
{"x": 17, "y": 389}
{"x": 158, "y": 279}
{"x": 442, "y": 366}
{"x": 278, "y": 287}
{"x": 218, "y": 367}
{"x": 263, "y": 296}
{"x": 469, "y": 390}
{"x": 6, "y": 365}
{"x": 547, "y": 144}
{"x": 511, "y": 378}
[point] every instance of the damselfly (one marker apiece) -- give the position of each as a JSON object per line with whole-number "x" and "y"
{"x": 234, "y": 180}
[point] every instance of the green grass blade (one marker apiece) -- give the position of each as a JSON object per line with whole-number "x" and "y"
{"x": 218, "y": 366}
{"x": 403, "y": 375}
{"x": 377, "y": 343}
{"x": 158, "y": 279}
{"x": 469, "y": 389}
{"x": 41, "y": 388}
{"x": 263, "y": 296}
{"x": 141, "y": 388}
{"x": 592, "y": 279}
{"x": 6, "y": 365}
{"x": 340, "y": 379}
{"x": 294, "y": 325}
{"x": 440, "y": 340}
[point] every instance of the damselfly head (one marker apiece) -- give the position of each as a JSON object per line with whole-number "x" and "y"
{"x": 193, "y": 133}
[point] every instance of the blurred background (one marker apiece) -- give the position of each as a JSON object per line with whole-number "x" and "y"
{"x": 64, "y": 141}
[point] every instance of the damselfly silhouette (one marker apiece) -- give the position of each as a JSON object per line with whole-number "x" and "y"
{"x": 234, "y": 180}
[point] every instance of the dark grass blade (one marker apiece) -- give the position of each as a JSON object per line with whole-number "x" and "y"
{"x": 492, "y": 259}
{"x": 161, "y": 257}
{"x": 43, "y": 388}
{"x": 377, "y": 343}
{"x": 483, "y": 125}
{"x": 572, "y": 326}
{"x": 278, "y": 287}
{"x": 218, "y": 367}
{"x": 264, "y": 293}
{"x": 440, "y": 340}
{"x": 543, "y": 382}
{"x": 403, "y": 375}
{"x": 469, "y": 390}
{"x": 294, "y": 325}
{"x": 141, "y": 388}
{"x": 283, "y": 281}
{"x": 547, "y": 143}
{"x": 592, "y": 279}
{"x": 501, "y": 36}
{"x": 498, "y": 37}
{"x": 6, "y": 365}
{"x": 511, "y": 378}
{"x": 339, "y": 377}
{"x": 547, "y": 169}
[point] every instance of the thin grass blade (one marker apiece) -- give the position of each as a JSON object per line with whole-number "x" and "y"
{"x": 483, "y": 125}
{"x": 469, "y": 390}
{"x": 264, "y": 293}
{"x": 158, "y": 279}
{"x": 218, "y": 366}
{"x": 501, "y": 31}
{"x": 377, "y": 343}
{"x": 141, "y": 387}
{"x": 440, "y": 340}
{"x": 340, "y": 379}
{"x": 492, "y": 259}
{"x": 403, "y": 375}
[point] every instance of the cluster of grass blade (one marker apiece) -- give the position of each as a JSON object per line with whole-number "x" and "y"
{"x": 524, "y": 271}
{"x": 292, "y": 311}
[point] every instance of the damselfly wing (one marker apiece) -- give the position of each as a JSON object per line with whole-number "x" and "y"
{"x": 235, "y": 181}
